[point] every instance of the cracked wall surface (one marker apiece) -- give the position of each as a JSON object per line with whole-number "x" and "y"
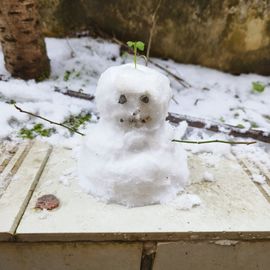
{"x": 230, "y": 35}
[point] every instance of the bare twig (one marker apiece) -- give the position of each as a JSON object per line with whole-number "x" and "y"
{"x": 76, "y": 131}
{"x": 175, "y": 100}
{"x": 144, "y": 58}
{"x": 219, "y": 127}
{"x": 104, "y": 35}
{"x": 48, "y": 120}
{"x": 213, "y": 141}
{"x": 177, "y": 78}
{"x": 154, "y": 21}
{"x": 72, "y": 52}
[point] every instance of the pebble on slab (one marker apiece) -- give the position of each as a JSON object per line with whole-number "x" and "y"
{"x": 48, "y": 202}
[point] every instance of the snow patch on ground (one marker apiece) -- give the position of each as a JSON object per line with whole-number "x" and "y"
{"x": 208, "y": 177}
{"x": 213, "y": 95}
{"x": 77, "y": 64}
{"x": 185, "y": 201}
{"x": 258, "y": 178}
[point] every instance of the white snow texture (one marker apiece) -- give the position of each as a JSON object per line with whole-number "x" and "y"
{"x": 128, "y": 157}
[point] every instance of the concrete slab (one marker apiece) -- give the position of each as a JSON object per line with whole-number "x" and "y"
{"x": 213, "y": 255}
{"x": 70, "y": 256}
{"x": 9, "y": 156}
{"x": 232, "y": 208}
{"x": 15, "y": 198}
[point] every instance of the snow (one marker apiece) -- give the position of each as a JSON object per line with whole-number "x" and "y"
{"x": 128, "y": 157}
{"x": 226, "y": 242}
{"x": 67, "y": 176}
{"x": 208, "y": 177}
{"x": 258, "y": 178}
{"x": 216, "y": 148}
{"x": 91, "y": 58}
{"x": 219, "y": 96}
{"x": 213, "y": 95}
{"x": 185, "y": 201}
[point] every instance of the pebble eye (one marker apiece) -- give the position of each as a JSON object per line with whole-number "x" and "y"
{"x": 144, "y": 99}
{"x": 122, "y": 99}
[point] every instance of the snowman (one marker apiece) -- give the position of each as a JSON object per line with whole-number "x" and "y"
{"x": 128, "y": 157}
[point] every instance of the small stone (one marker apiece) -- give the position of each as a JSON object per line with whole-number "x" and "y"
{"x": 48, "y": 202}
{"x": 122, "y": 99}
{"x": 144, "y": 99}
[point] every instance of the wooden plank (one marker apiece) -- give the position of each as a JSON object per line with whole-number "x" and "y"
{"x": 12, "y": 163}
{"x": 6, "y": 152}
{"x": 17, "y": 195}
{"x": 256, "y": 168}
{"x": 232, "y": 207}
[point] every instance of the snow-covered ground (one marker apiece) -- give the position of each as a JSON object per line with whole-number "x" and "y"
{"x": 77, "y": 64}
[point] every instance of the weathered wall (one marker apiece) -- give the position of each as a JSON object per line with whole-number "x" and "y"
{"x": 231, "y": 35}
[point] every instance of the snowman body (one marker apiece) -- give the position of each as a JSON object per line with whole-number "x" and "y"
{"x": 128, "y": 157}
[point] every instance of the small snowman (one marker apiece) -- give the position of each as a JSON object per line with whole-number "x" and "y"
{"x": 128, "y": 157}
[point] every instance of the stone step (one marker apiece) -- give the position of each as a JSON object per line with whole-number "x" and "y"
{"x": 228, "y": 229}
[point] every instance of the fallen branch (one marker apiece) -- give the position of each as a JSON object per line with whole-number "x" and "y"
{"x": 218, "y": 127}
{"x": 177, "y": 78}
{"x": 75, "y": 94}
{"x": 48, "y": 120}
{"x": 213, "y": 141}
{"x": 201, "y": 123}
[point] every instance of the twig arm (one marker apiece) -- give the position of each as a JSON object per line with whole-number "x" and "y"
{"x": 213, "y": 141}
{"x": 48, "y": 120}
{"x": 179, "y": 141}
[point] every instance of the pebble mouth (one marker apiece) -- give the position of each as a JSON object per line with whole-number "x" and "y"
{"x": 137, "y": 122}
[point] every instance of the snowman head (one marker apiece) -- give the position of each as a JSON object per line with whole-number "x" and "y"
{"x": 133, "y": 98}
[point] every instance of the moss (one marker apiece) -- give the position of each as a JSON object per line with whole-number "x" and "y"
{"x": 45, "y": 75}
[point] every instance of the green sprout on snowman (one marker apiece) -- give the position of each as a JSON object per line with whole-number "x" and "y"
{"x": 136, "y": 45}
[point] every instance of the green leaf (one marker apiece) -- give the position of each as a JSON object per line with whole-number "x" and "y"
{"x": 254, "y": 124}
{"x": 258, "y": 87}
{"x": 130, "y": 44}
{"x": 75, "y": 121}
{"x": 140, "y": 45}
{"x": 240, "y": 126}
{"x": 11, "y": 101}
{"x": 67, "y": 75}
{"x": 36, "y": 130}
{"x": 37, "y": 127}
{"x": 26, "y": 134}
{"x": 45, "y": 132}
{"x": 267, "y": 117}
{"x": 221, "y": 119}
